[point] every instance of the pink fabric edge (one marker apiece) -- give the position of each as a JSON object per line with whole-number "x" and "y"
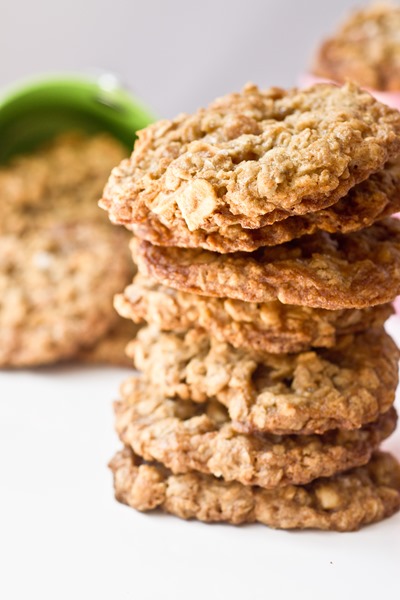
{"x": 390, "y": 98}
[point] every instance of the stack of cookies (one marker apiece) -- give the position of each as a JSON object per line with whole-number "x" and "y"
{"x": 267, "y": 264}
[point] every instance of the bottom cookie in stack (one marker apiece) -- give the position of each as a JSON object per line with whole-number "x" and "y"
{"x": 194, "y": 465}
{"x": 344, "y": 502}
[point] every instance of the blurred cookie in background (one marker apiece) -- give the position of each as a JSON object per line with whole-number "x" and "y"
{"x": 61, "y": 262}
{"x": 365, "y": 49}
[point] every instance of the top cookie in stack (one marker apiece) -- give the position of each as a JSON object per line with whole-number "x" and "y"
{"x": 268, "y": 260}
{"x": 260, "y": 168}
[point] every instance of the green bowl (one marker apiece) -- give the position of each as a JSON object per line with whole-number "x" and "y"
{"x": 37, "y": 111}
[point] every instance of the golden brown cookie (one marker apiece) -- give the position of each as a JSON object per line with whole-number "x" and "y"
{"x": 373, "y": 199}
{"x": 56, "y": 290}
{"x": 60, "y": 261}
{"x": 343, "y": 387}
{"x": 186, "y": 436}
{"x": 270, "y": 327}
{"x": 365, "y": 49}
{"x": 330, "y": 271}
{"x": 63, "y": 179}
{"x": 253, "y": 158}
{"x": 344, "y": 502}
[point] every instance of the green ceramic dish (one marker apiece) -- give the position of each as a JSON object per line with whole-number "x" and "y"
{"x": 37, "y": 111}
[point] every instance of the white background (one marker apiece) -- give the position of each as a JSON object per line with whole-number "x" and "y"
{"x": 176, "y": 55}
{"x": 62, "y": 536}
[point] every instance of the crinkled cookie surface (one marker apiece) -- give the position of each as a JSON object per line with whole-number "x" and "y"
{"x": 330, "y": 271}
{"x": 375, "y": 198}
{"x": 253, "y": 158}
{"x": 311, "y": 392}
{"x": 185, "y": 436}
{"x": 270, "y": 326}
{"x": 344, "y": 502}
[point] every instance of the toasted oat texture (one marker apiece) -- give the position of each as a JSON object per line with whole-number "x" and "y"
{"x": 110, "y": 349}
{"x": 56, "y": 290}
{"x": 330, "y": 271}
{"x": 270, "y": 327}
{"x": 253, "y": 158}
{"x": 60, "y": 260}
{"x": 186, "y": 436}
{"x": 369, "y": 201}
{"x": 65, "y": 179}
{"x": 344, "y": 502}
{"x": 343, "y": 387}
{"x": 365, "y": 49}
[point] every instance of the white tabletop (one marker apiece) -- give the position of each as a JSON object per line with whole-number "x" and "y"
{"x": 62, "y": 535}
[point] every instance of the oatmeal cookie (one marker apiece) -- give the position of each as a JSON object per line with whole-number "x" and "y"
{"x": 186, "y": 436}
{"x": 330, "y": 271}
{"x": 270, "y": 326}
{"x": 365, "y": 49}
{"x": 344, "y": 502}
{"x": 369, "y": 201}
{"x": 60, "y": 260}
{"x": 65, "y": 178}
{"x": 343, "y": 387}
{"x": 253, "y": 158}
{"x": 56, "y": 290}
